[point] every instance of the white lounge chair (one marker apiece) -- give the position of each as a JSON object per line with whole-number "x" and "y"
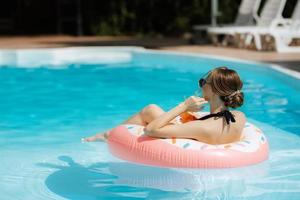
{"x": 245, "y": 16}
{"x": 271, "y": 12}
{"x": 283, "y": 35}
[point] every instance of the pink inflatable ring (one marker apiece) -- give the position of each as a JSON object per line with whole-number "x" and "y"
{"x": 128, "y": 142}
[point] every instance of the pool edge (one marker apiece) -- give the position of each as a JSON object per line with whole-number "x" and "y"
{"x": 275, "y": 67}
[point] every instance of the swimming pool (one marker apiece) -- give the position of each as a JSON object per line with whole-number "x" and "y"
{"x": 50, "y": 98}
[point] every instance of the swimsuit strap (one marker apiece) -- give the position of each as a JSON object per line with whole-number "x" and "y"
{"x": 225, "y": 113}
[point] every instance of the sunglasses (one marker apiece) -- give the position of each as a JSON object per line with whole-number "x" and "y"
{"x": 203, "y": 81}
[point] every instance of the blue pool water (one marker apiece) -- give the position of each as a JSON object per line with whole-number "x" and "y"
{"x": 51, "y": 99}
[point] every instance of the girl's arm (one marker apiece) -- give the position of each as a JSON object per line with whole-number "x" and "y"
{"x": 192, "y": 130}
{"x": 165, "y": 118}
{"x": 159, "y": 128}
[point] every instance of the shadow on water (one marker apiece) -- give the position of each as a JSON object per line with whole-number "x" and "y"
{"x": 122, "y": 180}
{"x": 75, "y": 181}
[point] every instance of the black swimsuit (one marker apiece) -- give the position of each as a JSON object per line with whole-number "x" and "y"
{"x": 225, "y": 113}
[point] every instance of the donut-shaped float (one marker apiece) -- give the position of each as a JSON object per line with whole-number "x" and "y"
{"x": 129, "y": 142}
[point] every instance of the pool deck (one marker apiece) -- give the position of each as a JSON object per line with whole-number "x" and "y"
{"x": 287, "y": 60}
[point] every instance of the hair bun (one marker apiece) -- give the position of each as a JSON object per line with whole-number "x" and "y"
{"x": 234, "y": 100}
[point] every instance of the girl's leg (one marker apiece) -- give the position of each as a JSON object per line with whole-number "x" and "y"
{"x": 144, "y": 117}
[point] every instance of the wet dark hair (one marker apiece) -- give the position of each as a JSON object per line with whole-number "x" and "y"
{"x": 227, "y": 84}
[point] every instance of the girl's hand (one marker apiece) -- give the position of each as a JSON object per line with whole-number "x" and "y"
{"x": 194, "y": 104}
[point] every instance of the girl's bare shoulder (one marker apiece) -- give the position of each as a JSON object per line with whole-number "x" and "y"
{"x": 239, "y": 115}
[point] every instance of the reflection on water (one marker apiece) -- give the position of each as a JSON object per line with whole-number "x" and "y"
{"x": 122, "y": 180}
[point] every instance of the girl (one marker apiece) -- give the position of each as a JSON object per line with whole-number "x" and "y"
{"x": 221, "y": 89}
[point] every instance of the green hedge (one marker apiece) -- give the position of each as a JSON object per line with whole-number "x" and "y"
{"x": 144, "y": 17}
{"x": 168, "y": 17}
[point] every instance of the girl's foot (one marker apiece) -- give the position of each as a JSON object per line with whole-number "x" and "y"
{"x": 97, "y": 137}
